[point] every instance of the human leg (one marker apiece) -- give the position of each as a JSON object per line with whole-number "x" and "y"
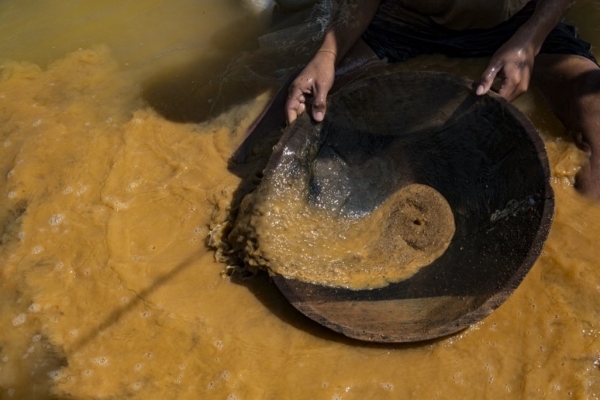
{"x": 571, "y": 83}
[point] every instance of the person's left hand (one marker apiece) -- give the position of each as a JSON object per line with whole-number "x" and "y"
{"x": 513, "y": 63}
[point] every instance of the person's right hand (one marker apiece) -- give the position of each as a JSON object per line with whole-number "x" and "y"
{"x": 314, "y": 82}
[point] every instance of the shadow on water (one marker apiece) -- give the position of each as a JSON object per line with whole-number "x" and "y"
{"x": 238, "y": 72}
{"x": 263, "y": 288}
{"x": 207, "y": 87}
{"x": 116, "y": 315}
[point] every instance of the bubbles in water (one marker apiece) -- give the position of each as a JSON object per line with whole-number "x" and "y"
{"x": 36, "y": 338}
{"x": 325, "y": 385}
{"x": 37, "y": 249}
{"x": 74, "y": 332}
{"x": 54, "y": 374}
{"x": 138, "y": 366}
{"x": 219, "y": 344}
{"x": 56, "y": 219}
{"x": 148, "y": 354}
{"x": 37, "y": 123}
{"x": 210, "y": 385}
{"x": 232, "y": 397}
{"x": 225, "y": 375}
{"x": 7, "y": 143}
{"x": 137, "y": 120}
{"x": 87, "y": 372}
{"x": 10, "y": 173}
{"x": 81, "y": 191}
{"x": 101, "y": 361}
{"x": 33, "y": 308}
{"x": 121, "y": 205}
{"x": 458, "y": 378}
{"x": 336, "y": 397}
{"x": 387, "y": 386}
{"x": 145, "y": 314}
{"x": 11, "y": 195}
{"x": 136, "y": 386}
{"x": 19, "y": 319}
{"x": 58, "y": 265}
{"x": 67, "y": 190}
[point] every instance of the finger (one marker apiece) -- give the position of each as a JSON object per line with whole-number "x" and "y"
{"x": 291, "y": 110}
{"x": 320, "y": 103}
{"x": 487, "y": 78}
{"x": 290, "y": 115}
{"x": 515, "y": 83}
{"x": 512, "y": 92}
{"x": 301, "y": 109}
{"x": 508, "y": 89}
{"x": 295, "y": 98}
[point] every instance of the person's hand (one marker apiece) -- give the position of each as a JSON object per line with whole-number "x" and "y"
{"x": 513, "y": 63}
{"x": 314, "y": 82}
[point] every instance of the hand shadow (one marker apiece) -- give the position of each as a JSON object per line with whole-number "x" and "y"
{"x": 211, "y": 85}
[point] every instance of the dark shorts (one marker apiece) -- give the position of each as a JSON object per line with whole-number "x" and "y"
{"x": 399, "y": 42}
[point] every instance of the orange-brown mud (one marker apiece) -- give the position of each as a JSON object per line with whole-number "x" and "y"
{"x": 108, "y": 289}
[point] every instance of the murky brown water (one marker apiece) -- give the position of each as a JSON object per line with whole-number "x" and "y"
{"x": 108, "y": 289}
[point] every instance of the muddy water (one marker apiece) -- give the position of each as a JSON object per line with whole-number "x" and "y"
{"x": 108, "y": 289}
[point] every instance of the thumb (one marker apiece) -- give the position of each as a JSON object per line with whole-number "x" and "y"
{"x": 319, "y": 103}
{"x": 487, "y": 79}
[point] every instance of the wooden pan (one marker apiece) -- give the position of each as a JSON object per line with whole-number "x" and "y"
{"x": 479, "y": 152}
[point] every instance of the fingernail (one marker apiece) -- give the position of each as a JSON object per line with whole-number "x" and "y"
{"x": 319, "y": 116}
{"x": 479, "y": 90}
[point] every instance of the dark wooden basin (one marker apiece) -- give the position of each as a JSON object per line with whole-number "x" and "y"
{"x": 385, "y": 132}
